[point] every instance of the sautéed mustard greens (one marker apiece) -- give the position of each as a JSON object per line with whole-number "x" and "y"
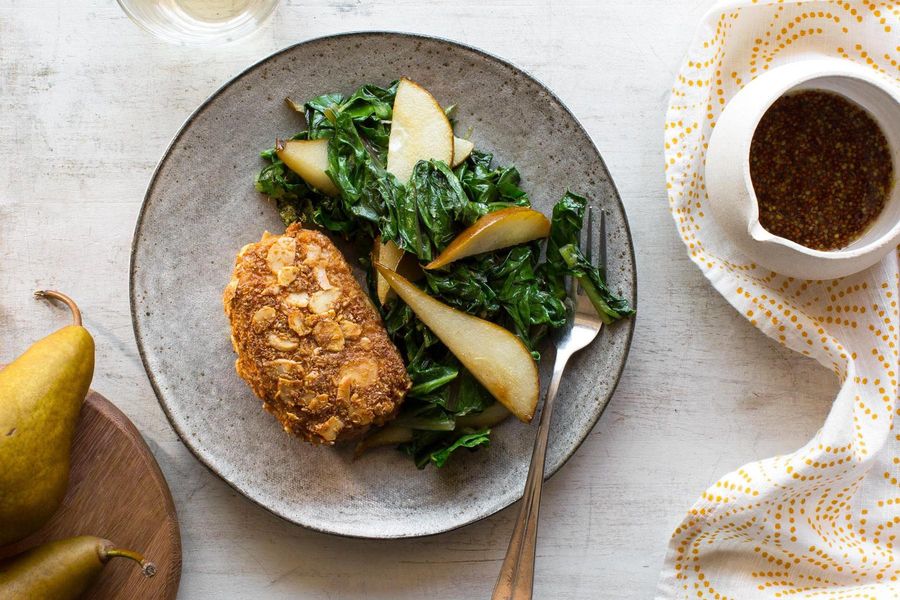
{"x": 513, "y": 286}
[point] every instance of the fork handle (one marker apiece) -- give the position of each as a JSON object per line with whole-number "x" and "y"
{"x": 516, "y": 579}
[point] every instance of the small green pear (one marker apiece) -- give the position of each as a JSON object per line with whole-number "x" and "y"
{"x": 61, "y": 570}
{"x": 41, "y": 394}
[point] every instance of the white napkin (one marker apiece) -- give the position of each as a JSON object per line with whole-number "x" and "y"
{"x": 821, "y": 522}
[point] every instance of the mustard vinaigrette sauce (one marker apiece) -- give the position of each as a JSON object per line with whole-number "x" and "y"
{"x": 821, "y": 169}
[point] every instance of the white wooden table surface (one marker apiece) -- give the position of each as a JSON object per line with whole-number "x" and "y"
{"x": 88, "y": 103}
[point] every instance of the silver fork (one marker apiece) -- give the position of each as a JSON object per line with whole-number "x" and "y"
{"x": 516, "y": 579}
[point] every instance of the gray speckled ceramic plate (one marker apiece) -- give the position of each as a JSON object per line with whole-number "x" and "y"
{"x": 201, "y": 207}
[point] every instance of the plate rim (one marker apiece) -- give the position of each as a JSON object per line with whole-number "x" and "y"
{"x": 152, "y": 183}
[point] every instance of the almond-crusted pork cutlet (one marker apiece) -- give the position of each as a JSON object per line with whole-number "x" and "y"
{"x": 309, "y": 342}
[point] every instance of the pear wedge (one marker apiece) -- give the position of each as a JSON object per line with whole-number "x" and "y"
{"x": 494, "y": 414}
{"x": 391, "y": 435}
{"x": 495, "y": 357}
{"x": 419, "y": 130}
{"x": 499, "y": 229}
{"x": 389, "y": 255}
{"x": 461, "y": 150}
{"x": 41, "y": 393}
{"x": 394, "y": 434}
{"x": 309, "y": 160}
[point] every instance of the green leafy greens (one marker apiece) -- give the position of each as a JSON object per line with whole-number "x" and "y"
{"x": 565, "y": 258}
{"x": 513, "y": 286}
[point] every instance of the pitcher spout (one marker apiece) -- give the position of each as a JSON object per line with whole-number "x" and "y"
{"x": 759, "y": 233}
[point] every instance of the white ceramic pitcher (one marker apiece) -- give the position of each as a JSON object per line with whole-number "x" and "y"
{"x": 730, "y": 188}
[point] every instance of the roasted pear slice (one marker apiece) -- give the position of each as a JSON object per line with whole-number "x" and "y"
{"x": 309, "y": 160}
{"x": 495, "y": 357}
{"x": 499, "y": 229}
{"x": 461, "y": 150}
{"x": 389, "y": 255}
{"x": 420, "y": 130}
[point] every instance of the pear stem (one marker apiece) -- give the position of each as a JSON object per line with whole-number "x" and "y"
{"x": 147, "y": 567}
{"x": 52, "y": 294}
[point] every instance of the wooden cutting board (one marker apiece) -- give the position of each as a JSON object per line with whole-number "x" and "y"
{"x": 116, "y": 491}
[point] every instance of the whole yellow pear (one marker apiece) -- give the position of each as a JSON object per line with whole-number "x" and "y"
{"x": 41, "y": 394}
{"x": 62, "y": 570}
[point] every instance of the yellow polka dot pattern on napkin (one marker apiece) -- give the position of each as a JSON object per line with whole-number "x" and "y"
{"x": 822, "y": 522}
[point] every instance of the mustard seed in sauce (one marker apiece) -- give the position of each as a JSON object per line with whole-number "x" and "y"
{"x": 821, "y": 169}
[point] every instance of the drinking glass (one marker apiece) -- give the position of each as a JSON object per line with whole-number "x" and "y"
{"x": 199, "y": 22}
